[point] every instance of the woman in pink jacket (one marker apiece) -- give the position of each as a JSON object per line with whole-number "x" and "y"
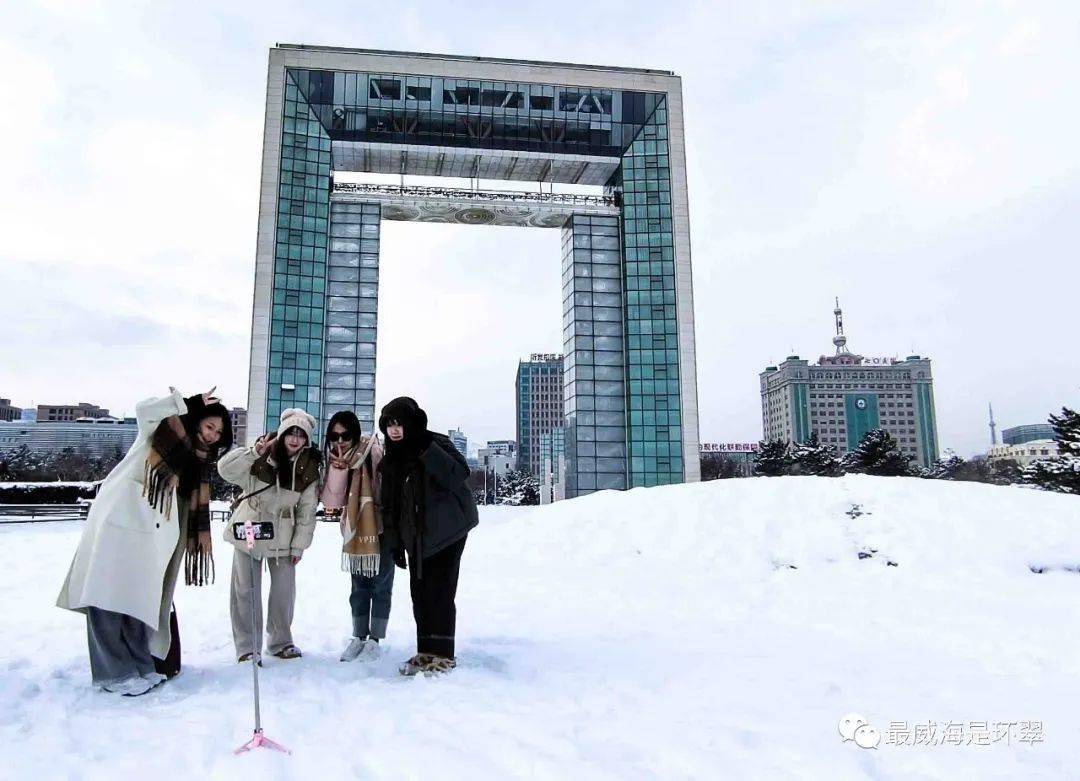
{"x": 350, "y": 493}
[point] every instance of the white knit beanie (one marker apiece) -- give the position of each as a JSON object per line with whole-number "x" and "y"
{"x": 294, "y": 416}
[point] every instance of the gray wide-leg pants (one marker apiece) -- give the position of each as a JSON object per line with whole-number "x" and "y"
{"x": 119, "y": 646}
{"x": 279, "y": 607}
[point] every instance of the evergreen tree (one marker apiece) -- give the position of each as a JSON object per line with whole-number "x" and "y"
{"x": 949, "y": 467}
{"x": 772, "y": 458}
{"x": 813, "y": 458}
{"x": 878, "y": 454}
{"x": 1061, "y": 473}
{"x": 23, "y": 464}
{"x": 518, "y": 488}
{"x": 68, "y": 464}
{"x": 1005, "y": 472}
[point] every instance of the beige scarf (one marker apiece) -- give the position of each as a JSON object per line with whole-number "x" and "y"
{"x": 360, "y": 526}
{"x": 360, "y": 550}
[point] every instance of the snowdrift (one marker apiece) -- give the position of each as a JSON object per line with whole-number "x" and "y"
{"x": 718, "y": 630}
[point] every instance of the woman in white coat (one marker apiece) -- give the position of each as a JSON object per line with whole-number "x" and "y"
{"x": 279, "y": 477}
{"x": 151, "y": 511}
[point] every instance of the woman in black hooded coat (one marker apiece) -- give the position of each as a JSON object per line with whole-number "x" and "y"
{"x": 427, "y": 514}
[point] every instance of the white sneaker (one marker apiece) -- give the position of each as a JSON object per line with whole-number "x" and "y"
{"x": 129, "y": 687}
{"x": 354, "y": 649}
{"x": 154, "y": 678}
{"x": 372, "y": 650}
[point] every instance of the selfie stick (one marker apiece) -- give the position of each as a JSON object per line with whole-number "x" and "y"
{"x": 258, "y": 740}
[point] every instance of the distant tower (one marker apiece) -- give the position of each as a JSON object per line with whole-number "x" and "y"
{"x": 839, "y": 340}
{"x": 993, "y": 427}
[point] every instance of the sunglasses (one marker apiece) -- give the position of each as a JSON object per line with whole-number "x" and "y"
{"x": 333, "y": 436}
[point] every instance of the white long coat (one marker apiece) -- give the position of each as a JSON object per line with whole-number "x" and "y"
{"x": 126, "y": 545}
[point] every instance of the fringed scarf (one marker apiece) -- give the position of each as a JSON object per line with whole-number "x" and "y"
{"x": 360, "y": 527}
{"x": 174, "y": 464}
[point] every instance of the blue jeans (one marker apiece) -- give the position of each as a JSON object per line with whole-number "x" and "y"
{"x": 370, "y": 598}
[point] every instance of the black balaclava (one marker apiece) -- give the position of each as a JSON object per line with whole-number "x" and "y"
{"x": 402, "y": 458}
{"x": 413, "y": 419}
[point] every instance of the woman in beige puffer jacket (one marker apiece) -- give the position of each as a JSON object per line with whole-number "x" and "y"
{"x": 279, "y": 478}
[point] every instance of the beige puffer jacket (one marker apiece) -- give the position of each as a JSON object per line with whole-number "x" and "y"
{"x": 291, "y": 512}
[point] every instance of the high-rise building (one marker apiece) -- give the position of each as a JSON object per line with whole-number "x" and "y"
{"x": 843, "y": 396}
{"x": 48, "y": 413}
{"x": 539, "y": 400}
{"x": 1018, "y": 435}
{"x": 552, "y": 466}
{"x": 8, "y": 412}
{"x": 461, "y": 442}
{"x": 238, "y": 418}
{"x": 631, "y": 407}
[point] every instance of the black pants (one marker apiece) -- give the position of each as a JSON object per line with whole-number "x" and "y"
{"x": 433, "y": 601}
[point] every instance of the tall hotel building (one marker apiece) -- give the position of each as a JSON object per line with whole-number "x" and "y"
{"x": 539, "y": 400}
{"x": 843, "y": 396}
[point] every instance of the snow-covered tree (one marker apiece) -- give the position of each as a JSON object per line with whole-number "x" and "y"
{"x": 813, "y": 458}
{"x": 949, "y": 467}
{"x": 22, "y": 463}
{"x": 1061, "y": 473}
{"x": 878, "y": 454}
{"x": 1005, "y": 472}
{"x": 518, "y": 488}
{"x": 72, "y": 464}
{"x": 772, "y": 458}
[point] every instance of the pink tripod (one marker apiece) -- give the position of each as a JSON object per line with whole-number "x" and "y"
{"x": 258, "y": 740}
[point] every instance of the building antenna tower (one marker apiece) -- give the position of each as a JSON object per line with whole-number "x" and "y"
{"x": 993, "y": 426}
{"x": 839, "y": 340}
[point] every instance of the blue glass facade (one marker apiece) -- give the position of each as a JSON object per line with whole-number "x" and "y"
{"x": 621, "y": 402}
{"x": 299, "y": 295}
{"x": 654, "y": 432}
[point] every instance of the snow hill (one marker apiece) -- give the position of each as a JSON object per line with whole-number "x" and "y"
{"x": 718, "y": 630}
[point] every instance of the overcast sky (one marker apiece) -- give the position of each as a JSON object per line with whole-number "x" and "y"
{"x": 919, "y": 160}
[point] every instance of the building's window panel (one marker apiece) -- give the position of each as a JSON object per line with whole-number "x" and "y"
{"x": 353, "y": 272}
{"x": 297, "y": 316}
{"x": 649, "y": 281}
{"x": 593, "y": 305}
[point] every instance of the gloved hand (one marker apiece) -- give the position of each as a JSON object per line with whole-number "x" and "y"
{"x": 399, "y": 557}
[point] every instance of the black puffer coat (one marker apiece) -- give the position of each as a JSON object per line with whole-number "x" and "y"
{"x": 426, "y": 521}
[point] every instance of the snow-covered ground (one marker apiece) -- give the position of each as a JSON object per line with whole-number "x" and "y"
{"x": 718, "y": 630}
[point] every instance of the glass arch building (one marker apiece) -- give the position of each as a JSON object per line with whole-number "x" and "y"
{"x": 630, "y": 389}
